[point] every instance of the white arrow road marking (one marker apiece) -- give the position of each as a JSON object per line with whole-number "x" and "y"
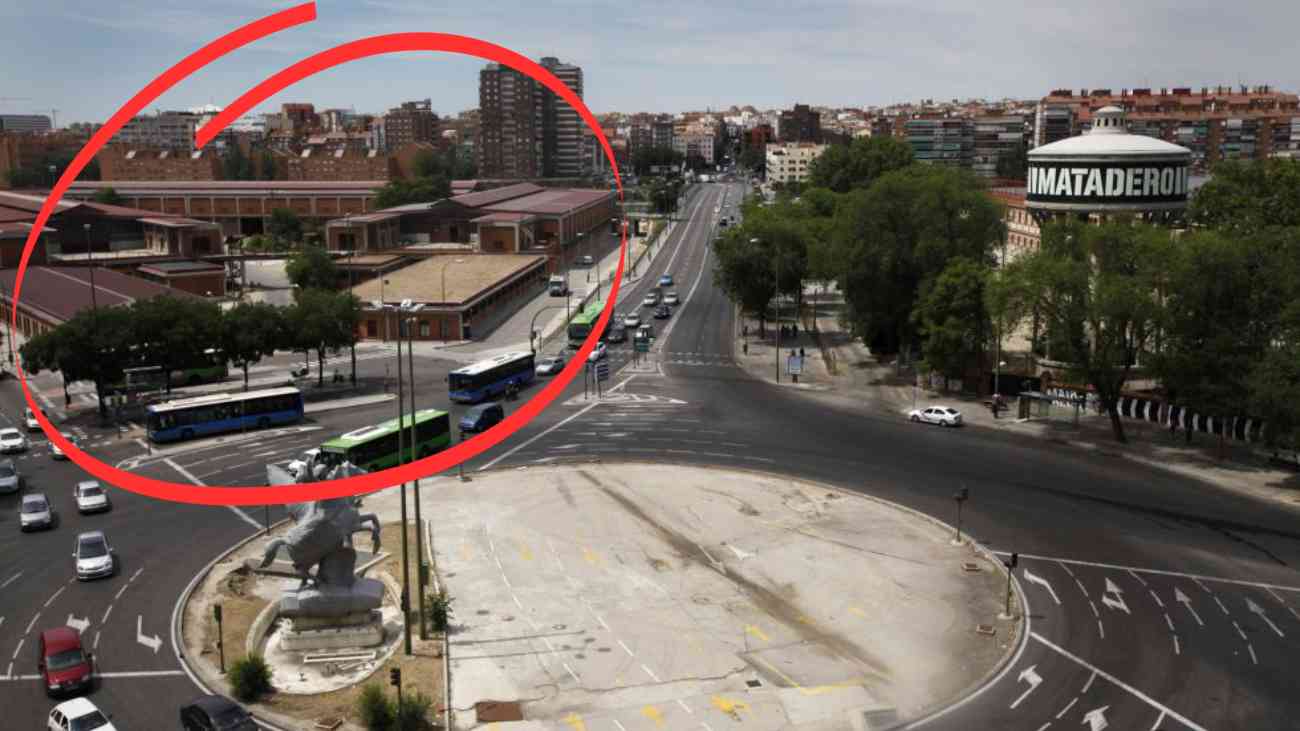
{"x": 153, "y": 643}
{"x": 1030, "y": 577}
{"x": 1096, "y": 718}
{"x": 1186, "y": 601}
{"x": 78, "y": 624}
{"x": 1113, "y": 597}
{"x": 1257, "y": 609}
{"x": 1028, "y": 675}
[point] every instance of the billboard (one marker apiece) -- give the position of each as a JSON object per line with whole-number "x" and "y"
{"x": 1129, "y": 184}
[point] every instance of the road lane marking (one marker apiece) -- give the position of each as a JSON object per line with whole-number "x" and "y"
{"x": 1169, "y": 622}
{"x": 755, "y": 632}
{"x": 1101, "y": 631}
{"x": 1093, "y": 604}
{"x": 1225, "y": 609}
{"x": 106, "y": 613}
{"x": 1116, "y": 681}
{"x": 1028, "y": 675}
{"x": 1159, "y": 721}
{"x": 32, "y": 623}
{"x": 1157, "y": 598}
{"x": 1253, "y": 659}
{"x": 18, "y": 649}
{"x": 11, "y": 580}
{"x": 1067, "y": 707}
{"x": 575, "y": 415}
{"x": 650, "y": 672}
{"x": 1088, "y": 684}
{"x": 571, "y": 673}
{"x": 1198, "y": 578}
{"x": 235, "y": 509}
{"x": 626, "y": 649}
{"x": 685, "y": 707}
{"x": 1134, "y": 574}
{"x": 1177, "y": 650}
{"x": 1045, "y": 726}
{"x": 602, "y": 621}
{"x": 54, "y": 596}
{"x": 1034, "y": 579}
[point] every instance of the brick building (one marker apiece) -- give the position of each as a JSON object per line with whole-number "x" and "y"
{"x": 800, "y": 124}
{"x": 525, "y": 129}
{"x": 122, "y": 163}
{"x": 410, "y": 123}
{"x": 53, "y": 295}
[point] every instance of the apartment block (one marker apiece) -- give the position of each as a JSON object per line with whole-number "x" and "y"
{"x": 525, "y": 129}
{"x": 800, "y": 124}
{"x": 942, "y": 141}
{"x": 788, "y": 162}
{"x": 562, "y": 126}
{"x": 121, "y": 163}
{"x": 410, "y": 123}
{"x": 994, "y": 137}
{"x": 25, "y": 123}
{"x": 172, "y": 130}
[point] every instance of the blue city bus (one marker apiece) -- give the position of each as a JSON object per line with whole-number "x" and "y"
{"x": 491, "y": 377}
{"x": 172, "y": 421}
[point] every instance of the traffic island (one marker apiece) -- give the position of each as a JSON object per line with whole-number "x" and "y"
{"x": 317, "y": 684}
{"x": 666, "y": 596}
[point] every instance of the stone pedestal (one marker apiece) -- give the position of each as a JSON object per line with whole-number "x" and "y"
{"x": 362, "y": 629}
{"x": 331, "y": 601}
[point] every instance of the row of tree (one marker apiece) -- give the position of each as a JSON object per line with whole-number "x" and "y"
{"x": 433, "y": 173}
{"x": 96, "y": 345}
{"x": 1211, "y": 312}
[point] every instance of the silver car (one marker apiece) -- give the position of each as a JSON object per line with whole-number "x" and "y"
{"x": 90, "y": 497}
{"x": 35, "y": 512}
{"x": 57, "y": 453}
{"x": 93, "y": 556}
{"x": 10, "y": 480}
{"x": 671, "y": 299}
{"x": 12, "y": 440}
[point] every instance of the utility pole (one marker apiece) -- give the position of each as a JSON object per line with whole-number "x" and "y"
{"x": 421, "y": 568}
{"x": 401, "y": 459}
{"x": 960, "y": 497}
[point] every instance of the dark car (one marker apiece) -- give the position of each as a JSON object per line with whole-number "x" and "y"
{"x": 617, "y": 334}
{"x": 663, "y": 312}
{"x": 215, "y": 713}
{"x": 64, "y": 665}
{"x": 482, "y": 417}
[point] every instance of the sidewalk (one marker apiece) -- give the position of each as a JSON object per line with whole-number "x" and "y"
{"x": 847, "y": 373}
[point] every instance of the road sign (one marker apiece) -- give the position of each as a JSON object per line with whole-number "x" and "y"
{"x": 794, "y": 365}
{"x": 602, "y": 371}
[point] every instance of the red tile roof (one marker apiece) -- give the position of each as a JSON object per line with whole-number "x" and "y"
{"x": 61, "y": 292}
{"x": 550, "y": 201}
{"x": 485, "y": 198}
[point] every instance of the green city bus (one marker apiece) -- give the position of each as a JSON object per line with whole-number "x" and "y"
{"x": 375, "y": 447}
{"x": 582, "y": 323}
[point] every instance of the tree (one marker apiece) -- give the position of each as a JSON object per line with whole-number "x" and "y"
{"x": 318, "y": 321}
{"x": 419, "y": 190}
{"x": 742, "y": 270}
{"x": 857, "y": 165}
{"x": 952, "y": 318}
{"x": 1274, "y": 383}
{"x": 285, "y": 226}
{"x": 1014, "y": 163}
{"x": 900, "y": 233}
{"x": 236, "y": 165}
{"x": 1247, "y": 196}
{"x": 92, "y": 346}
{"x": 251, "y": 331}
{"x": 174, "y": 332}
{"x": 266, "y": 171}
{"x": 1097, "y": 289}
{"x": 753, "y": 157}
{"x": 312, "y": 267}
{"x": 109, "y": 196}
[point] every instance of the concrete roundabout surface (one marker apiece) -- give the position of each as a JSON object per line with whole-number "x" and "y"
{"x": 638, "y": 595}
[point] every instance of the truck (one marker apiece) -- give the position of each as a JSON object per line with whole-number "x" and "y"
{"x": 558, "y": 286}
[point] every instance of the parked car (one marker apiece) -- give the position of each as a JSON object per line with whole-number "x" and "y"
{"x": 93, "y": 556}
{"x": 29, "y": 420}
{"x": 632, "y": 320}
{"x": 598, "y": 353}
{"x": 12, "y": 440}
{"x": 587, "y": 260}
{"x": 549, "y": 366}
{"x": 671, "y": 299}
{"x": 216, "y": 713}
{"x": 617, "y": 333}
{"x": 650, "y": 300}
{"x": 666, "y": 280}
{"x": 481, "y": 417}
{"x": 941, "y": 415}
{"x": 63, "y": 664}
{"x": 57, "y": 453}
{"x": 10, "y": 480}
{"x": 91, "y": 497}
{"x": 35, "y": 512}
{"x": 663, "y": 312}
{"x": 78, "y": 714}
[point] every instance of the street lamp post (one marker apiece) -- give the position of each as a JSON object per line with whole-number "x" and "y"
{"x": 352, "y": 250}
{"x": 960, "y": 497}
{"x": 420, "y": 571}
{"x": 401, "y": 455}
{"x": 532, "y": 327}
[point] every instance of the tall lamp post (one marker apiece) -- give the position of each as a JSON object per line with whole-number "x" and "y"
{"x": 532, "y": 327}
{"x": 347, "y": 225}
{"x": 420, "y": 567}
{"x": 401, "y": 454}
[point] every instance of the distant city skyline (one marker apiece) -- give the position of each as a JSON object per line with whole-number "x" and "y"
{"x": 84, "y": 59}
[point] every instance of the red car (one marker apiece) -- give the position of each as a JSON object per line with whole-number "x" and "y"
{"x": 63, "y": 664}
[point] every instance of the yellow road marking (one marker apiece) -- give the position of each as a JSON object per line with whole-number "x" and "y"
{"x": 653, "y": 714}
{"x": 464, "y": 551}
{"x": 814, "y": 690}
{"x": 858, "y": 611}
{"x": 524, "y": 551}
{"x": 592, "y": 557}
{"x": 753, "y": 630}
{"x": 576, "y": 722}
{"x": 729, "y": 707}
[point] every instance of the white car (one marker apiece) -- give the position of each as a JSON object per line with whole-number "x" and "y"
{"x": 298, "y": 465}
{"x": 941, "y": 415}
{"x": 57, "y": 453}
{"x": 632, "y": 321}
{"x": 92, "y": 556}
{"x": 90, "y": 497}
{"x": 650, "y": 300}
{"x": 549, "y": 366}
{"x": 671, "y": 299}
{"x": 597, "y": 353}
{"x": 78, "y": 714}
{"x": 29, "y": 421}
{"x": 12, "y": 440}
{"x": 35, "y": 512}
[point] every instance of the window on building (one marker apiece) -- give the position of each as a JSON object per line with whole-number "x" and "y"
{"x": 424, "y": 328}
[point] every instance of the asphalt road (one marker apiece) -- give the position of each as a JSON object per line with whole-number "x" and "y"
{"x": 1156, "y": 602}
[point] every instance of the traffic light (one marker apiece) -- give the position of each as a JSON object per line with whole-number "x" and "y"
{"x": 1015, "y": 559}
{"x": 395, "y": 677}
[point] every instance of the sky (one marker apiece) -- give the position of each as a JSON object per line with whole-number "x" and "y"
{"x": 84, "y": 58}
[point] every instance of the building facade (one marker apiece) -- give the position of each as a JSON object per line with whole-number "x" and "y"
{"x": 119, "y": 163}
{"x": 942, "y": 140}
{"x": 526, "y": 130}
{"x": 788, "y": 162}
{"x": 163, "y": 131}
{"x": 411, "y": 122}
{"x": 25, "y": 123}
{"x": 996, "y": 136}
{"x": 562, "y": 126}
{"x": 800, "y": 124}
